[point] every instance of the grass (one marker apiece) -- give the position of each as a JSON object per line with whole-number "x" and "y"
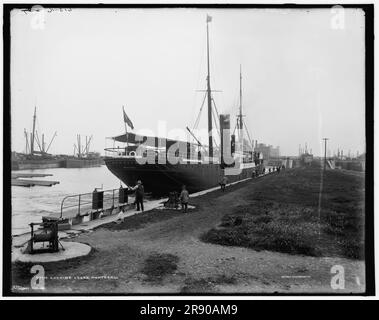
{"x": 282, "y": 215}
{"x": 157, "y": 266}
{"x": 206, "y": 285}
{"x": 140, "y": 220}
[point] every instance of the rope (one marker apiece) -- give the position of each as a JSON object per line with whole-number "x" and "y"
{"x": 201, "y": 109}
{"x": 203, "y": 41}
{"x": 235, "y": 127}
{"x": 248, "y": 135}
{"x": 217, "y": 127}
{"x": 214, "y": 104}
{"x": 37, "y": 139}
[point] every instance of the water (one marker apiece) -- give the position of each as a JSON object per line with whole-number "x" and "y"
{"x": 30, "y": 204}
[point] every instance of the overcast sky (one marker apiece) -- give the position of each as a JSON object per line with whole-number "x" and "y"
{"x": 302, "y": 79}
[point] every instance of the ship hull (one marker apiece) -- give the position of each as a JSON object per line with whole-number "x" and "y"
{"x": 82, "y": 163}
{"x": 55, "y": 163}
{"x": 160, "y": 179}
{"x": 36, "y": 164}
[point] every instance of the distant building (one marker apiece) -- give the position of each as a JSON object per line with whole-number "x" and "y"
{"x": 362, "y": 157}
{"x": 268, "y": 151}
{"x": 306, "y": 158}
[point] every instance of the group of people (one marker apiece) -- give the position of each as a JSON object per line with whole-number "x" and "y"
{"x": 140, "y": 192}
{"x": 277, "y": 169}
{"x": 183, "y": 197}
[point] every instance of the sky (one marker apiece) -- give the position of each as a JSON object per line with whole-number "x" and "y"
{"x": 303, "y": 74}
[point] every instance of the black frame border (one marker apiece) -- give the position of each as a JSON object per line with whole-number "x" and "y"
{"x": 369, "y": 108}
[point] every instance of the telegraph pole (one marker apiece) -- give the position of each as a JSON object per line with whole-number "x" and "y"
{"x": 210, "y": 152}
{"x": 325, "y": 140}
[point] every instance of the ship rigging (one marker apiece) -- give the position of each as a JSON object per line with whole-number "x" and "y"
{"x": 34, "y": 137}
{"x": 195, "y": 165}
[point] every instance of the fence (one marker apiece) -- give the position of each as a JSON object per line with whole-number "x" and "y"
{"x": 94, "y": 204}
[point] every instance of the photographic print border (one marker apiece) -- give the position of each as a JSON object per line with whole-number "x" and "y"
{"x": 369, "y": 130}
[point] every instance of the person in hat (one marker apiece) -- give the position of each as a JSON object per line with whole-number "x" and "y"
{"x": 140, "y": 192}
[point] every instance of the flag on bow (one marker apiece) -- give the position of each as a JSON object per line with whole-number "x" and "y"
{"x": 127, "y": 120}
{"x": 209, "y": 18}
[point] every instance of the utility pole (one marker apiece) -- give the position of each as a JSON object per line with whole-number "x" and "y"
{"x": 210, "y": 138}
{"x": 325, "y": 140}
{"x": 240, "y": 114}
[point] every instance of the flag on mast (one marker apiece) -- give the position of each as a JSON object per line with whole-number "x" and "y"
{"x": 127, "y": 120}
{"x": 209, "y": 18}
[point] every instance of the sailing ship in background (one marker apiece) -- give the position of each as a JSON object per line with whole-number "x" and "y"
{"x": 198, "y": 166}
{"x": 40, "y": 158}
{"x": 35, "y": 158}
{"x": 82, "y": 157}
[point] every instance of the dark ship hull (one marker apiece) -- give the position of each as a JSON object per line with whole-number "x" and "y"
{"x": 82, "y": 163}
{"x": 55, "y": 163}
{"x": 160, "y": 179}
{"x": 36, "y": 164}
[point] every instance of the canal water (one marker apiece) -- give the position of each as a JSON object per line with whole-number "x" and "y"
{"x": 30, "y": 204}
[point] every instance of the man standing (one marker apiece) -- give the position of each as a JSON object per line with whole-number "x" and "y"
{"x": 139, "y": 195}
{"x": 184, "y": 197}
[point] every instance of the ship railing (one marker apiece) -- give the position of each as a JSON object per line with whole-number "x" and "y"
{"x": 92, "y": 204}
{"x": 120, "y": 152}
{"x": 161, "y": 154}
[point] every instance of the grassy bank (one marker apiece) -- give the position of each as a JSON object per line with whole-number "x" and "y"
{"x": 282, "y": 214}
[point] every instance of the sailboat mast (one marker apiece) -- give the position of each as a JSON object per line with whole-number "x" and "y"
{"x": 33, "y": 133}
{"x": 26, "y": 142}
{"x": 209, "y": 19}
{"x": 79, "y": 146}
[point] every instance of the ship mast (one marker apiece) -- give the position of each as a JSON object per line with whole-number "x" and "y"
{"x": 33, "y": 133}
{"x": 26, "y": 141}
{"x": 209, "y": 19}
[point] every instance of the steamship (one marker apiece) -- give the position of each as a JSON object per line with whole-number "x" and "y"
{"x": 165, "y": 165}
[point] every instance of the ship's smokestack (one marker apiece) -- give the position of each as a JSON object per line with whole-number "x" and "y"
{"x": 226, "y": 158}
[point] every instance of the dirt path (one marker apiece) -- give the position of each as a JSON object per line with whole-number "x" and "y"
{"x": 202, "y": 267}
